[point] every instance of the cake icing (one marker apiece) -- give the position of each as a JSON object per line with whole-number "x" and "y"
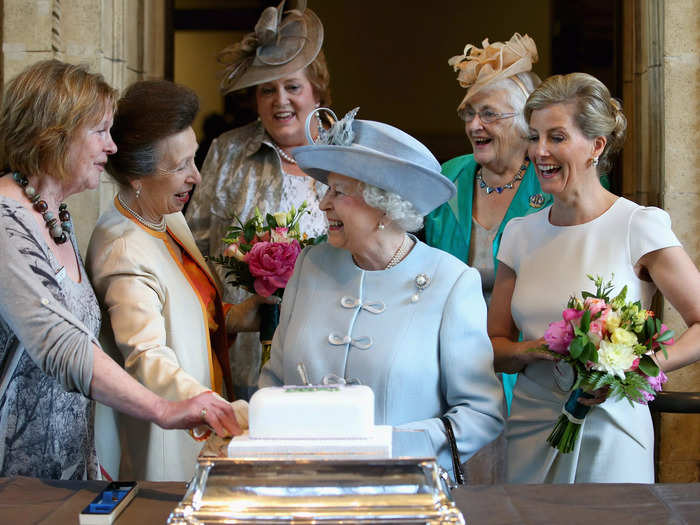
{"x": 312, "y": 412}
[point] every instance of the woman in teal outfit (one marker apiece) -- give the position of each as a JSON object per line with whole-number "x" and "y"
{"x": 495, "y": 183}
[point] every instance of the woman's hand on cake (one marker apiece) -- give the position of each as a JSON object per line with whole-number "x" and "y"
{"x": 205, "y": 409}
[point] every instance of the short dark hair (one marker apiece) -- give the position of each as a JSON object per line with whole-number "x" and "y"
{"x": 148, "y": 112}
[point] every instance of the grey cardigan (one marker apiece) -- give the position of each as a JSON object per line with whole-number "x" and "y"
{"x": 31, "y": 310}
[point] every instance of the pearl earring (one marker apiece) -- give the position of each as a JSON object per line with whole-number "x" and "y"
{"x": 381, "y": 226}
{"x": 138, "y": 192}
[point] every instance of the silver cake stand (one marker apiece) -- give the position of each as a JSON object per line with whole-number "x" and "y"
{"x": 261, "y": 491}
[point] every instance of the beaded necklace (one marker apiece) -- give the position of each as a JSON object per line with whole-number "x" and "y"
{"x": 59, "y": 230}
{"x": 508, "y": 186}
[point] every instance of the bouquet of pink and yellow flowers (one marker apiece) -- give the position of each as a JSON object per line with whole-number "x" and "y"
{"x": 260, "y": 257}
{"x": 602, "y": 342}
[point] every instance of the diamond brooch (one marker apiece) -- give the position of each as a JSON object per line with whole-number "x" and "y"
{"x": 422, "y": 282}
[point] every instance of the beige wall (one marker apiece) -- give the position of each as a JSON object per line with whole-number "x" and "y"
{"x": 680, "y": 441}
{"x": 196, "y": 66}
{"x": 122, "y": 39}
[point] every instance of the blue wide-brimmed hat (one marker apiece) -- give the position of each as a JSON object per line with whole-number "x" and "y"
{"x": 377, "y": 154}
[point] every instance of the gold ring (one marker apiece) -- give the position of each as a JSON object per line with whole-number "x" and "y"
{"x": 204, "y": 413}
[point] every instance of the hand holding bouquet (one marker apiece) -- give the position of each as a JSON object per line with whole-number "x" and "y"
{"x": 602, "y": 342}
{"x": 260, "y": 257}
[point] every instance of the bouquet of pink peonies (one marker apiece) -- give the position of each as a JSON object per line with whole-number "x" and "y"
{"x": 260, "y": 257}
{"x": 602, "y": 342}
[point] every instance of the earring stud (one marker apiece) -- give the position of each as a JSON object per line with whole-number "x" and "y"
{"x": 381, "y": 226}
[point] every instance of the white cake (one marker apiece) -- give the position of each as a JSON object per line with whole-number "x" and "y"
{"x": 313, "y": 422}
{"x": 325, "y": 411}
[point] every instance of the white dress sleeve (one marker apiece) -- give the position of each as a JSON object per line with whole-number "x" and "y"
{"x": 508, "y": 250}
{"x": 649, "y": 230}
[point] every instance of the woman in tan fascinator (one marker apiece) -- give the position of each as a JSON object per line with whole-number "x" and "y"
{"x": 496, "y": 182}
{"x": 251, "y": 166}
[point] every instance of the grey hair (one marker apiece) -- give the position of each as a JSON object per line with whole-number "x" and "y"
{"x": 597, "y": 113}
{"x": 516, "y": 97}
{"x": 397, "y": 209}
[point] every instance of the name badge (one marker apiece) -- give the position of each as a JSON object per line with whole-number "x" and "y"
{"x": 60, "y": 274}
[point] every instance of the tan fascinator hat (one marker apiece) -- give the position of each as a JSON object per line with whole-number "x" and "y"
{"x": 283, "y": 42}
{"x": 478, "y": 67}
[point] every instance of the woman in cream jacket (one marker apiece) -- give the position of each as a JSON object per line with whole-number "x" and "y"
{"x": 163, "y": 307}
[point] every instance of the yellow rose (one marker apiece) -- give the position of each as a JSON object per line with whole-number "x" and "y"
{"x": 620, "y": 336}
{"x": 281, "y": 219}
{"x": 612, "y": 321}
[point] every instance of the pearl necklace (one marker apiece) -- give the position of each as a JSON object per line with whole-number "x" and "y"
{"x": 58, "y": 230}
{"x": 400, "y": 252}
{"x": 285, "y": 156}
{"x": 159, "y": 226}
{"x": 509, "y": 186}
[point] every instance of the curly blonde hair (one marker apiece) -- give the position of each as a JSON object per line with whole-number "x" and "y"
{"x": 42, "y": 109}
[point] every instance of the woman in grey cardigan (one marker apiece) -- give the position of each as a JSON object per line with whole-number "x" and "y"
{"x": 54, "y": 141}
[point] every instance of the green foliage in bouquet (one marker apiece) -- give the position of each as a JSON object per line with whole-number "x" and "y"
{"x": 607, "y": 343}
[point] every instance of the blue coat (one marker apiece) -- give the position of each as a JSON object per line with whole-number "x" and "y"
{"x": 422, "y": 359}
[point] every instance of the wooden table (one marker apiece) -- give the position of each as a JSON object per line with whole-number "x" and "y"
{"x": 28, "y": 500}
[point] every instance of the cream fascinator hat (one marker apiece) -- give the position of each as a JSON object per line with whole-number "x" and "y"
{"x": 282, "y": 43}
{"x": 378, "y": 154}
{"x": 479, "y": 67}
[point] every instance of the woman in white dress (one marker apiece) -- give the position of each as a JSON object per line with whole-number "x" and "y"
{"x": 575, "y": 129}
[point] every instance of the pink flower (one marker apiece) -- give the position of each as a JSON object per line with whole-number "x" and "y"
{"x": 558, "y": 336}
{"x": 596, "y": 327}
{"x": 571, "y": 314}
{"x": 280, "y": 235}
{"x": 656, "y": 345}
{"x": 647, "y": 397}
{"x": 594, "y": 305}
{"x": 234, "y": 250}
{"x": 658, "y": 381}
{"x": 272, "y": 264}
{"x": 605, "y": 312}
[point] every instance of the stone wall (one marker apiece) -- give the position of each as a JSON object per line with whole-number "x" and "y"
{"x": 680, "y": 433}
{"x": 122, "y": 39}
{"x": 660, "y": 159}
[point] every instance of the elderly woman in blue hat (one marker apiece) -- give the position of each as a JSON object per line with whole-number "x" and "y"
{"x": 378, "y": 305}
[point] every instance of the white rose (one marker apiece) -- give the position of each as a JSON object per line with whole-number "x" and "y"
{"x": 615, "y": 358}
